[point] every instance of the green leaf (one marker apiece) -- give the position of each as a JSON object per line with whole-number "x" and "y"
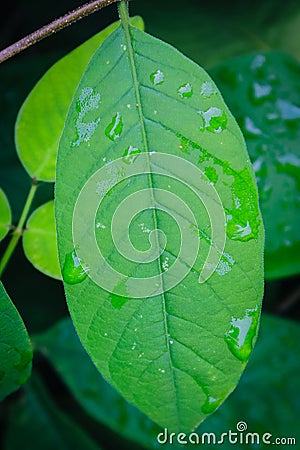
{"x": 41, "y": 118}
{"x": 5, "y": 215}
{"x": 151, "y": 152}
{"x": 36, "y": 423}
{"x": 62, "y": 347}
{"x": 266, "y": 384}
{"x": 39, "y": 241}
{"x": 15, "y": 347}
{"x": 263, "y": 92}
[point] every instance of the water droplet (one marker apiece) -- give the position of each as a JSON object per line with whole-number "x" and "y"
{"x": 157, "y": 77}
{"x": 128, "y": 105}
{"x": 144, "y": 228}
{"x": 240, "y": 337}
{"x": 185, "y": 91}
{"x": 105, "y": 334}
{"x": 259, "y": 93}
{"x": 107, "y": 62}
{"x": 87, "y": 101}
{"x": 74, "y": 270}
{"x": 184, "y": 145}
{"x": 123, "y": 47}
{"x": 100, "y": 225}
{"x": 171, "y": 341}
{"x": 208, "y": 89}
{"x": 214, "y": 120}
{"x": 131, "y": 154}
{"x": 118, "y": 301}
{"x": 165, "y": 264}
{"x": 133, "y": 346}
{"x": 115, "y": 128}
{"x": 211, "y": 174}
{"x": 155, "y": 112}
{"x": 241, "y": 232}
{"x": 223, "y": 268}
{"x": 211, "y": 404}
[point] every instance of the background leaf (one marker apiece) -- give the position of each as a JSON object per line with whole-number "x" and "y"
{"x": 261, "y": 389}
{"x": 36, "y": 423}
{"x": 5, "y": 215}
{"x": 41, "y": 119}
{"x": 157, "y": 351}
{"x": 39, "y": 241}
{"x": 15, "y": 347}
{"x": 263, "y": 91}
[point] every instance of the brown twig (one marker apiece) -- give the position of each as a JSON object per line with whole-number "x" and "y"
{"x": 53, "y": 27}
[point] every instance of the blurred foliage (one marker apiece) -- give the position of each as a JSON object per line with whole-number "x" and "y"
{"x": 267, "y": 397}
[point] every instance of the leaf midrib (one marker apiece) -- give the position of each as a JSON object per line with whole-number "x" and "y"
{"x": 128, "y": 39}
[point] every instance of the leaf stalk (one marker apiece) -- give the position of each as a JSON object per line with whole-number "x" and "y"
{"x": 18, "y": 231}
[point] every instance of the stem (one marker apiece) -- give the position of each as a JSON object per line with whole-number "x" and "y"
{"x": 53, "y": 27}
{"x": 17, "y": 233}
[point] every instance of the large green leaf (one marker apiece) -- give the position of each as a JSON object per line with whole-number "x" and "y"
{"x": 41, "y": 118}
{"x": 5, "y": 215}
{"x": 148, "y": 128}
{"x": 36, "y": 423}
{"x": 263, "y": 91}
{"x": 15, "y": 347}
{"x": 39, "y": 241}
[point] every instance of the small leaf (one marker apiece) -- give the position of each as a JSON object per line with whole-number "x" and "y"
{"x": 5, "y": 215}
{"x": 36, "y": 423}
{"x": 135, "y": 209}
{"x": 39, "y": 241}
{"x": 264, "y": 93}
{"x": 15, "y": 347}
{"x": 41, "y": 118}
{"x": 62, "y": 347}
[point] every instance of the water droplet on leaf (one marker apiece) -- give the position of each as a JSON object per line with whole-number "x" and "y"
{"x": 185, "y": 91}
{"x": 208, "y": 89}
{"x": 215, "y": 120}
{"x": 240, "y": 337}
{"x": 157, "y": 77}
{"x": 115, "y": 128}
{"x": 74, "y": 270}
{"x": 211, "y": 404}
{"x": 131, "y": 154}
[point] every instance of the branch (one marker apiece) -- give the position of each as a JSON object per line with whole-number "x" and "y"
{"x": 53, "y": 27}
